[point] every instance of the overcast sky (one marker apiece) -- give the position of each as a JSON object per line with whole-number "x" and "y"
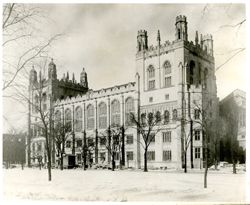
{"x": 102, "y": 39}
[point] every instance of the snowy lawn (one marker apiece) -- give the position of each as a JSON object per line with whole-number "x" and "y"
{"x": 126, "y": 185}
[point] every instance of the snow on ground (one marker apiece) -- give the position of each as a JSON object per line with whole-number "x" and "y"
{"x": 124, "y": 185}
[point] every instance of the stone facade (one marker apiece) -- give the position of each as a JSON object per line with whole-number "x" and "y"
{"x": 174, "y": 78}
{"x": 240, "y": 98}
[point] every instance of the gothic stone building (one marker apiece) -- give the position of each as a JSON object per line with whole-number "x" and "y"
{"x": 239, "y": 96}
{"x": 175, "y": 79}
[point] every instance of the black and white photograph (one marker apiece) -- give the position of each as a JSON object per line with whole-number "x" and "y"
{"x": 124, "y": 102}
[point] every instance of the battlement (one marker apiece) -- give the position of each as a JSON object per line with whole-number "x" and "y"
{"x": 70, "y": 84}
{"x": 199, "y": 50}
{"x": 181, "y": 18}
{"x": 93, "y": 94}
{"x": 207, "y": 37}
{"x": 142, "y": 32}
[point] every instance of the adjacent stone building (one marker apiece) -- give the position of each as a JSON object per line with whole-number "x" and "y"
{"x": 174, "y": 78}
{"x": 239, "y": 96}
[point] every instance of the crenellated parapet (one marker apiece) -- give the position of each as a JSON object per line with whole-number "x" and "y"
{"x": 204, "y": 46}
{"x": 70, "y": 84}
{"x": 204, "y": 49}
{"x": 94, "y": 94}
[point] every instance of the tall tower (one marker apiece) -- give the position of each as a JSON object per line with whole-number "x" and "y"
{"x": 33, "y": 76}
{"x": 207, "y": 42}
{"x": 142, "y": 40}
{"x": 52, "y": 70}
{"x": 181, "y": 32}
{"x": 84, "y": 78}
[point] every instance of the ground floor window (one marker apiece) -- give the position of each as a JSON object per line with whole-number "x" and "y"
{"x": 130, "y": 155}
{"x": 197, "y": 152}
{"x": 102, "y": 156}
{"x": 79, "y": 158}
{"x": 79, "y": 143}
{"x": 102, "y": 141}
{"x": 116, "y": 156}
{"x": 151, "y": 155}
{"x": 167, "y": 156}
{"x": 68, "y": 144}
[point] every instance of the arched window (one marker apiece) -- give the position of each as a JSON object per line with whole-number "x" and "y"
{"x": 167, "y": 67}
{"x": 115, "y": 113}
{"x": 44, "y": 101}
{"x": 58, "y": 117}
{"x": 199, "y": 74}
{"x": 190, "y": 73}
{"x": 102, "y": 115}
{"x": 151, "y": 76}
{"x": 143, "y": 118}
{"x": 151, "y": 71}
{"x": 158, "y": 117}
{"x": 68, "y": 119}
{"x": 129, "y": 110}
{"x": 167, "y": 71}
{"x": 90, "y": 117}
{"x": 205, "y": 78}
{"x": 175, "y": 114}
{"x": 179, "y": 33}
{"x": 166, "y": 117}
{"x": 78, "y": 119}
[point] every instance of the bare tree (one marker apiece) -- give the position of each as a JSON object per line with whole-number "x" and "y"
{"x": 61, "y": 134}
{"x": 112, "y": 138}
{"x": 208, "y": 124}
{"x": 88, "y": 149}
{"x": 21, "y": 45}
{"x": 148, "y": 126}
{"x": 40, "y": 107}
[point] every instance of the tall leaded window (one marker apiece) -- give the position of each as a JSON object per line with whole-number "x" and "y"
{"x": 166, "y": 117}
{"x": 58, "y": 117}
{"x": 44, "y": 101}
{"x": 151, "y": 77}
{"x": 129, "y": 110}
{"x": 90, "y": 117}
{"x": 68, "y": 119}
{"x": 205, "y": 78}
{"x": 115, "y": 113}
{"x": 78, "y": 119}
{"x": 102, "y": 115}
{"x": 167, "y": 74}
{"x": 151, "y": 71}
{"x": 175, "y": 114}
{"x": 190, "y": 73}
{"x": 166, "y": 136}
{"x": 197, "y": 152}
{"x": 197, "y": 135}
{"x": 196, "y": 114}
{"x": 199, "y": 73}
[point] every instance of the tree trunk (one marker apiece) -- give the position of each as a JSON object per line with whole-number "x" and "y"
{"x": 185, "y": 161}
{"x": 206, "y": 166}
{"x": 205, "y": 175}
{"x": 61, "y": 161}
{"x": 191, "y": 145}
{"x": 123, "y": 147}
{"x": 145, "y": 161}
{"x": 113, "y": 161}
{"x": 234, "y": 167}
{"x": 49, "y": 156}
